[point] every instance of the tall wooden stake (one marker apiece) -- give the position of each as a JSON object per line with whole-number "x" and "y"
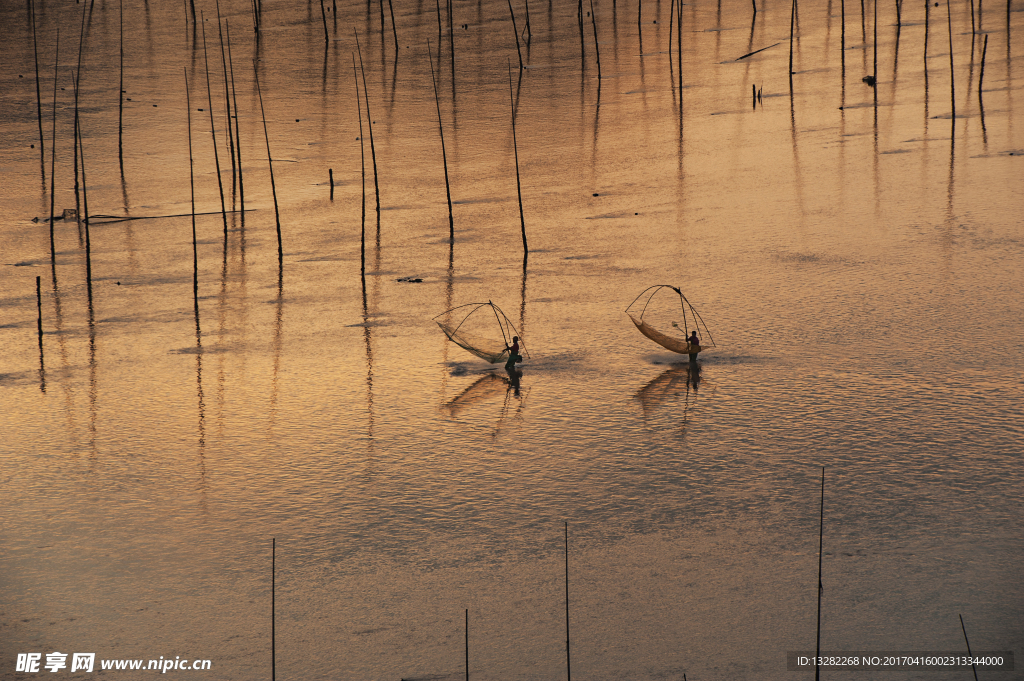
{"x": 85, "y": 207}
{"x": 969, "y": 654}
{"x": 53, "y": 153}
{"x": 39, "y": 95}
{"x": 227, "y": 102}
{"x": 437, "y": 4}
{"x": 81, "y": 42}
{"x": 362, "y": 168}
{"x": 671, "y": 28}
{"x": 394, "y": 31}
{"x": 952, "y": 95}
{"x": 792, "y": 28}
{"x": 516, "y": 31}
{"x": 273, "y": 618}
{"x": 515, "y": 148}
{"x": 270, "y": 163}
{"x": 323, "y": 15}
{"x": 120, "y": 93}
{"x": 981, "y": 75}
{"x": 821, "y": 534}
{"x": 39, "y": 325}
{"x": 444, "y": 155}
{"x": 213, "y": 133}
{"x": 369, "y": 126}
{"x": 874, "y": 41}
{"x": 568, "y": 666}
{"x": 192, "y": 187}
{"x": 467, "y": 623}
{"x": 679, "y": 55}
{"x": 238, "y": 139}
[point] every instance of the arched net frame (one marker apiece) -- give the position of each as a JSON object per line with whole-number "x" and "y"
{"x": 656, "y": 331}
{"x": 475, "y": 328}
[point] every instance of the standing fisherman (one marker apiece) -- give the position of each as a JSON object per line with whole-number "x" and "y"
{"x": 693, "y": 346}
{"x": 513, "y": 354}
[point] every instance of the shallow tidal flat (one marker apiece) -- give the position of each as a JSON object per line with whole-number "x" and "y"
{"x": 855, "y": 250}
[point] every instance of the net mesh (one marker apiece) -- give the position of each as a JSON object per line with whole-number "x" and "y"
{"x": 668, "y": 342}
{"x": 485, "y": 348}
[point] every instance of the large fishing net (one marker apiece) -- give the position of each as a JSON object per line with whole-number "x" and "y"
{"x": 476, "y": 327}
{"x": 691, "y": 322}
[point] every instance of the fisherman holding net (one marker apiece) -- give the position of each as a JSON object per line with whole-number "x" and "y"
{"x": 693, "y": 346}
{"x": 513, "y": 354}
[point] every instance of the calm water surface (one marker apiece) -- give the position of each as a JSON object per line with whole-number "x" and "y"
{"x": 855, "y": 251}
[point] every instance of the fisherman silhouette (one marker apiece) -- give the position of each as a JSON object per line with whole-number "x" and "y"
{"x": 694, "y": 346}
{"x": 513, "y": 354}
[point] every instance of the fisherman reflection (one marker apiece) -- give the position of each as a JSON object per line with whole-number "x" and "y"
{"x": 680, "y": 380}
{"x": 514, "y": 375}
{"x": 486, "y": 388}
{"x": 693, "y": 371}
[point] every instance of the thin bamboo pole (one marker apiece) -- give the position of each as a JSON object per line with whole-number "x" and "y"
{"x": 273, "y": 617}
{"x": 362, "y": 167}
{"x": 120, "y": 92}
{"x": 270, "y": 163}
{"x": 671, "y": 27}
{"x": 39, "y": 329}
{"x": 53, "y": 154}
{"x": 227, "y": 103}
{"x": 213, "y": 134}
{"x": 192, "y": 189}
{"x": 952, "y": 84}
{"x": 85, "y": 206}
{"x": 516, "y": 31}
{"x": 394, "y": 30}
{"x": 515, "y": 148}
{"x": 969, "y": 654}
{"x": 981, "y": 75}
{"x": 39, "y": 96}
{"x": 369, "y": 126}
{"x": 238, "y": 138}
{"x": 568, "y": 665}
{"x": 437, "y": 4}
{"x": 679, "y": 55}
{"x": 444, "y": 155}
{"x": 874, "y": 41}
{"x": 81, "y": 41}
{"x": 323, "y": 16}
{"x": 821, "y": 535}
{"x": 792, "y": 29}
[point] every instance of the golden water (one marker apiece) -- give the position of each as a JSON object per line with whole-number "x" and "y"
{"x": 855, "y": 251}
